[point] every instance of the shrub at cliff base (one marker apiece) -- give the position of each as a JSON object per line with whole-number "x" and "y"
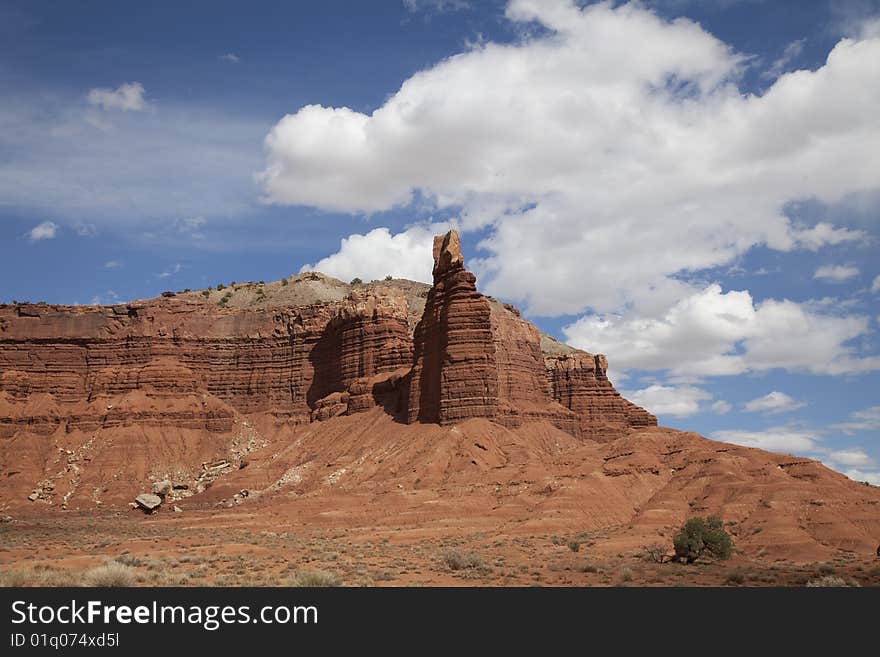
{"x": 700, "y": 537}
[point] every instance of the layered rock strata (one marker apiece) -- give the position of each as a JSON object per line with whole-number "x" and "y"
{"x": 437, "y": 355}
{"x": 454, "y": 374}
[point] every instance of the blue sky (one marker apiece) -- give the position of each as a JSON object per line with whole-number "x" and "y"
{"x": 690, "y": 187}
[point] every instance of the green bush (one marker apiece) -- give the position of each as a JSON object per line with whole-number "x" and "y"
{"x": 356, "y": 281}
{"x": 389, "y": 278}
{"x": 701, "y": 536}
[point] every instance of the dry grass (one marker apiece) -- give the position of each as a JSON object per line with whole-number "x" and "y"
{"x": 829, "y": 580}
{"x": 48, "y": 552}
{"x": 111, "y": 574}
{"x": 457, "y": 560}
{"x": 48, "y": 577}
{"x": 315, "y": 579}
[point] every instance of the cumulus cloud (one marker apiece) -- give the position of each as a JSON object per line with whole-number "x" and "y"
{"x": 875, "y": 286}
{"x": 46, "y": 230}
{"x": 872, "y": 477}
{"x": 712, "y": 332}
{"x": 774, "y": 439}
{"x": 773, "y": 402}
{"x": 614, "y": 148}
{"x": 721, "y": 407}
{"x": 677, "y": 401}
{"x": 850, "y": 457}
{"x": 836, "y": 273}
{"x": 230, "y": 57}
{"x": 867, "y": 419}
{"x": 127, "y": 97}
{"x": 378, "y": 254}
{"x": 823, "y": 234}
{"x": 853, "y": 460}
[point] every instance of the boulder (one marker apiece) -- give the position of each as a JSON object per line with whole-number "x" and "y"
{"x": 148, "y": 502}
{"x": 162, "y": 488}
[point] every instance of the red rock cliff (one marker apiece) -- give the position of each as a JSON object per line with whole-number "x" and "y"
{"x": 312, "y": 349}
{"x": 474, "y": 357}
{"x": 579, "y": 382}
{"x": 454, "y": 373}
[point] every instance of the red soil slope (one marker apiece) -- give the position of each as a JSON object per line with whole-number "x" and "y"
{"x": 387, "y": 403}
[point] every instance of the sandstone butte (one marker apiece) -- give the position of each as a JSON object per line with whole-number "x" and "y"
{"x": 388, "y": 403}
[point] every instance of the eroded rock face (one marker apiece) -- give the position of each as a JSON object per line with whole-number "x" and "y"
{"x": 454, "y": 373}
{"x": 442, "y": 355}
{"x": 578, "y": 381}
{"x": 170, "y": 381}
{"x": 189, "y": 364}
{"x": 474, "y": 357}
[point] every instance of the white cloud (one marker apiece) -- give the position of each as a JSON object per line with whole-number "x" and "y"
{"x": 823, "y": 234}
{"x": 875, "y": 286}
{"x": 791, "y": 52}
{"x": 858, "y": 18}
{"x": 148, "y": 166}
{"x": 677, "y": 401}
{"x": 850, "y": 457}
{"x": 171, "y": 271}
{"x": 773, "y": 402}
{"x": 127, "y": 97}
{"x": 44, "y": 231}
{"x": 872, "y": 477}
{"x": 379, "y": 253}
{"x": 230, "y": 57}
{"x": 721, "y": 407}
{"x": 836, "y": 273}
{"x": 774, "y": 439}
{"x": 614, "y": 148}
{"x": 711, "y": 332}
{"x": 112, "y": 264}
{"x": 852, "y": 461}
{"x": 867, "y": 419}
